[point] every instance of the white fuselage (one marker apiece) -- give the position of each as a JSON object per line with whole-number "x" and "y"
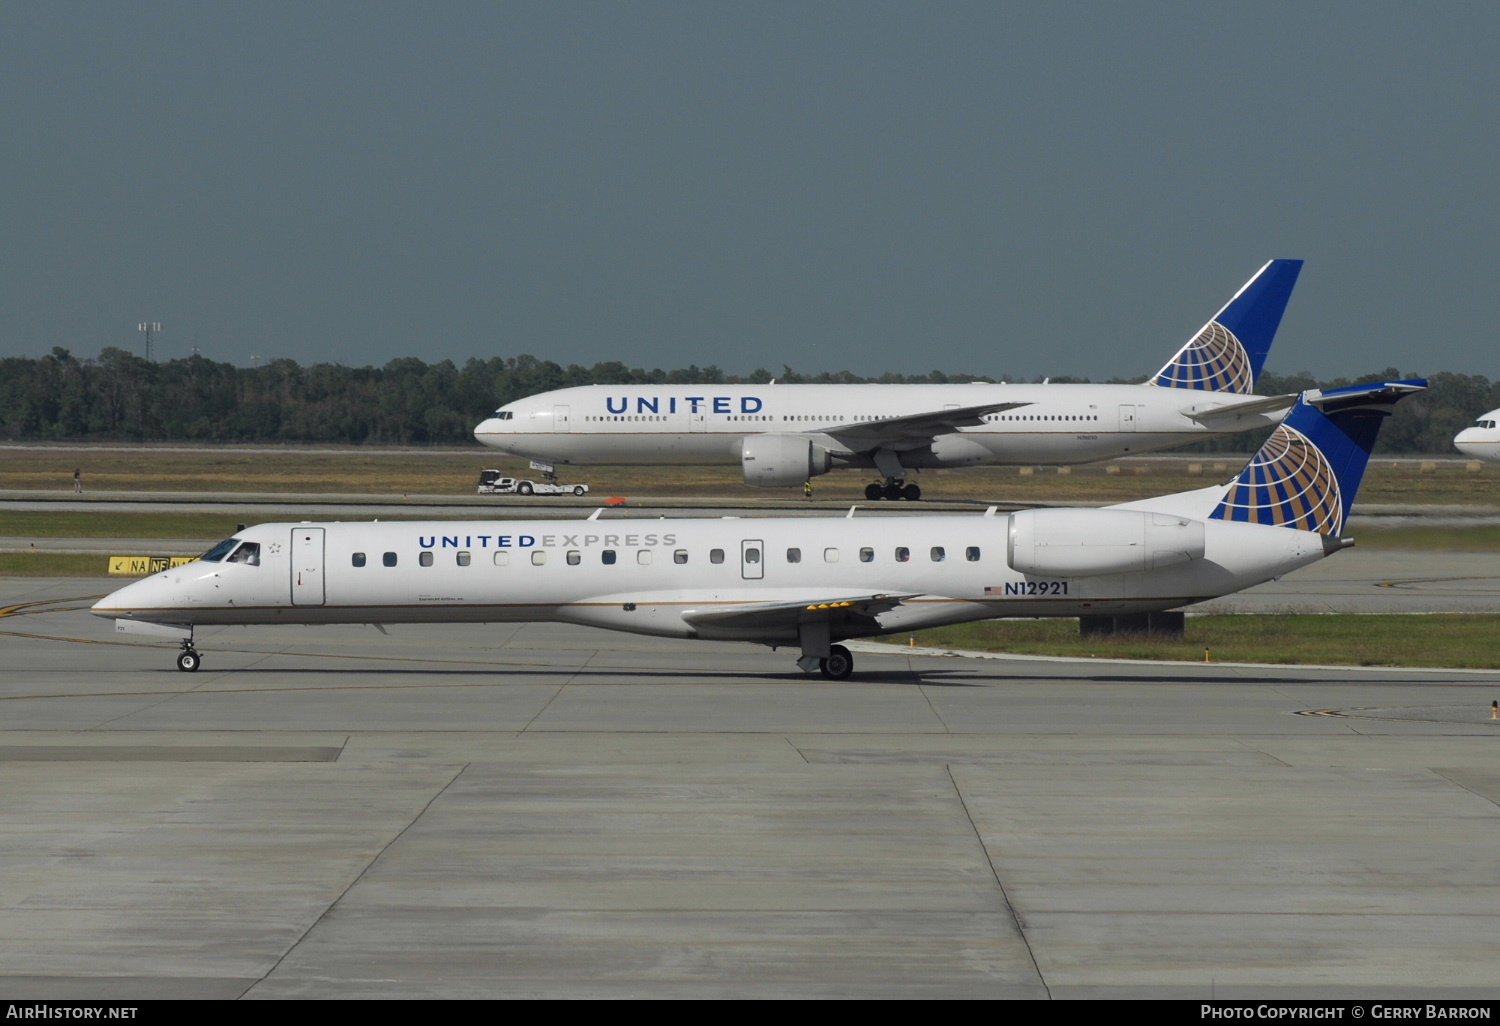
{"x": 646, "y": 576}
{"x": 1481, "y": 439}
{"x": 704, "y": 424}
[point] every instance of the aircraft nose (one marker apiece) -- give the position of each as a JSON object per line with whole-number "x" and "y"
{"x": 130, "y": 599}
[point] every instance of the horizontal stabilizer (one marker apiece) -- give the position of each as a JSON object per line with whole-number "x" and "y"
{"x": 1208, "y": 416}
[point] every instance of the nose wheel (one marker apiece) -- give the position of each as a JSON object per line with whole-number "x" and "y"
{"x": 188, "y": 660}
{"x": 894, "y": 489}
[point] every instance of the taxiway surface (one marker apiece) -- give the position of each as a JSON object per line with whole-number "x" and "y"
{"x": 546, "y": 811}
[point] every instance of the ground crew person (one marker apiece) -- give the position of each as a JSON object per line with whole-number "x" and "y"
{"x": 807, "y": 489}
{"x": 77, "y": 480}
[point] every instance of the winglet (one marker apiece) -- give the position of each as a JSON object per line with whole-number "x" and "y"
{"x": 1228, "y": 353}
{"x": 1306, "y": 475}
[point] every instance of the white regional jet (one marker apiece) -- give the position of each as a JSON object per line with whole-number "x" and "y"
{"x": 804, "y": 581}
{"x": 787, "y": 434}
{"x": 1481, "y": 439}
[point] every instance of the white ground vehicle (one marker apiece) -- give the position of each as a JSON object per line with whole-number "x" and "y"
{"x": 491, "y": 483}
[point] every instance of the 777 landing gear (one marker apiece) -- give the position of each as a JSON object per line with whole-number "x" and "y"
{"x": 188, "y": 660}
{"x": 894, "y": 488}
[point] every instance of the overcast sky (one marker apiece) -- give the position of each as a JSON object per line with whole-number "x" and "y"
{"x": 1000, "y": 188}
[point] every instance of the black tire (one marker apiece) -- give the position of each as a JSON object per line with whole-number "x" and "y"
{"x": 874, "y": 492}
{"x": 913, "y": 492}
{"x": 189, "y": 661}
{"x": 893, "y": 492}
{"x": 524, "y": 487}
{"x": 579, "y": 489}
{"x": 838, "y": 665}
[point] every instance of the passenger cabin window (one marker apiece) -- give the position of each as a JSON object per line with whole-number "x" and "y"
{"x": 425, "y": 559}
{"x": 867, "y": 555}
{"x": 938, "y": 554}
{"x": 643, "y": 557}
{"x": 502, "y": 558}
{"x": 972, "y": 553}
{"x": 538, "y": 558}
{"x": 248, "y": 553}
{"x": 716, "y": 555}
{"x": 463, "y": 559}
{"x": 389, "y": 559}
{"x": 902, "y": 554}
{"x": 608, "y": 556}
{"x": 794, "y": 555}
{"x": 574, "y": 557}
{"x": 830, "y": 555}
{"x": 680, "y": 556}
{"x": 358, "y": 559}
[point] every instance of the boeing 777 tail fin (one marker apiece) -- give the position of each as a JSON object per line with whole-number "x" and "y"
{"x": 1229, "y": 352}
{"x": 1306, "y": 475}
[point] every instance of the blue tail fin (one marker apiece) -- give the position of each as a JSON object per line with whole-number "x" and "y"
{"x": 1227, "y": 355}
{"x": 1307, "y": 473}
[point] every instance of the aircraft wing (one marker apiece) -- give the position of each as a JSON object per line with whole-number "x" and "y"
{"x": 912, "y": 431}
{"x": 856, "y": 610}
{"x": 1208, "y": 413}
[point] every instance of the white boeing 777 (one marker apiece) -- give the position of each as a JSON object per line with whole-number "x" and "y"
{"x": 787, "y": 434}
{"x": 798, "y": 581}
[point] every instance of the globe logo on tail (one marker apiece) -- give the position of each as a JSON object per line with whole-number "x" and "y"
{"x": 1289, "y": 483}
{"x": 1214, "y": 361}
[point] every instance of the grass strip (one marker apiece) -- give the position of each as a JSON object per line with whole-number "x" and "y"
{"x": 54, "y": 564}
{"x": 1442, "y": 639}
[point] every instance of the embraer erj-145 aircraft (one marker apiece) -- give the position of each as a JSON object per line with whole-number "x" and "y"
{"x": 1481, "y": 439}
{"x": 804, "y": 581}
{"x": 788, "y": 434}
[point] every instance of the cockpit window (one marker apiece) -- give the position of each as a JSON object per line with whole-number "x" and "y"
{"x": 504, "y": 415}
{"x": 248, "y": 553}
{"x": 220, "y": 550}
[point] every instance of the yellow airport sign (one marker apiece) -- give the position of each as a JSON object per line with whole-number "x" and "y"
{"x": 140, "y": 566}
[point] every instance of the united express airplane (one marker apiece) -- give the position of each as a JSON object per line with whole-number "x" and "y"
{"x": 788, "y": 434}
{"x": 806, "y": 582}
{"x": 1481, "y": 439}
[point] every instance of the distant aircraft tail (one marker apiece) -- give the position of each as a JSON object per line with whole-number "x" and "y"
{"x": 1229, "y": 352}
{"x": 1306, "y": 475}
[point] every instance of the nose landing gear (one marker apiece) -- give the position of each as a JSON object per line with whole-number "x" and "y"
{"x": 894, "y": 489}
{"x": 188, "y": 660}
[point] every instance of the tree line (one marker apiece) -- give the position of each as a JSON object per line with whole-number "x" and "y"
{"x": 119, "y": 396}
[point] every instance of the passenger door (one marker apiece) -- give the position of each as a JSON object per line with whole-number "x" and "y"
{"x": 307, "y": 566}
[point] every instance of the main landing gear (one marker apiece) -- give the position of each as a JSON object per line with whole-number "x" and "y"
{"x": 838, "y": 664}
{"x": 893, "y": 488}
{"x": 188, "y": 660}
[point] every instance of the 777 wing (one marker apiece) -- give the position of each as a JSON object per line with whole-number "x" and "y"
{"x": 912, "y": 431}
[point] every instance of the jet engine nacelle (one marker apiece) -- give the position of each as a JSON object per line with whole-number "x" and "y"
{"x": 1092, "y": 542}
{"x": 771, "y": 460}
